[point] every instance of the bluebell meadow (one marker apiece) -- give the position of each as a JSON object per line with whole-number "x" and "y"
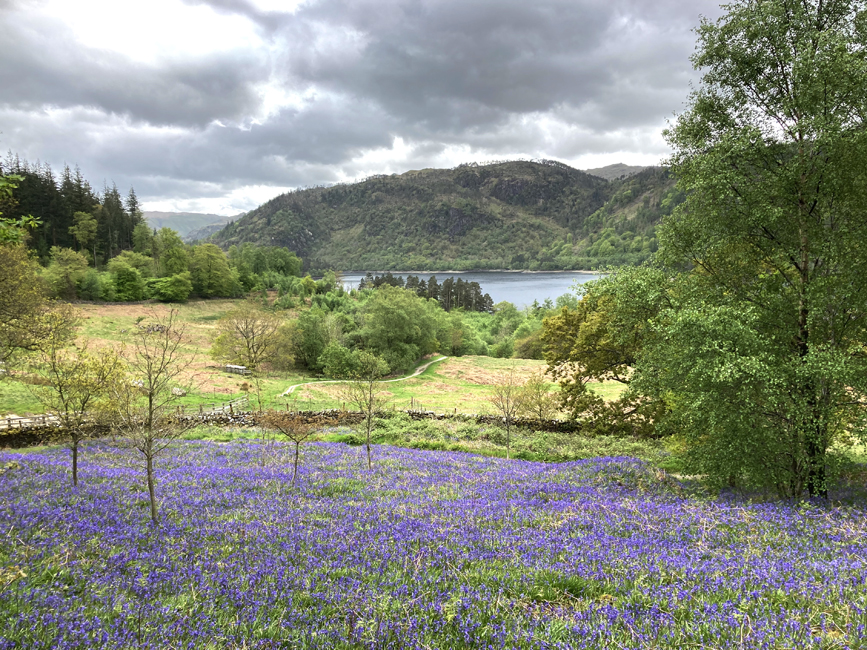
{"x": 427, "y": 550}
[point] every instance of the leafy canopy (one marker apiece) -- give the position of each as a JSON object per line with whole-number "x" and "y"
{"x": 766, "y": 364}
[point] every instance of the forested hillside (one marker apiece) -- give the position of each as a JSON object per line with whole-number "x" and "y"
{"x": 512, "y": 215}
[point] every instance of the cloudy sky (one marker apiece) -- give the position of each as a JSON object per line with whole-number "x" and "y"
{"x": 219, "y": 105}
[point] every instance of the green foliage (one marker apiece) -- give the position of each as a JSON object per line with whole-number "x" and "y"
{"x": 451, "y": 294}
{"x": 170, "y": 254}
{"x": 84, "y": 229}
{"x": 175, "y": 288}
{"x": 601, "y": 339}
{"x": 310, "y": 338}
{"x": 128, "y": 282}
{"x": 65, "y": 271}
{"x": 210, "y": 273}
{"x": 22, "y": 303}
{"x": 337, "y": 361}
{"x": 143, "y": 239}
{"x": 763, "y": 363}
{"x": 142, "y": 263}
{"x": 737, "y": 403}
{"x": 96, "y": 286}
{"x": 400, "y": 327}
{"x": 397, "y": 428}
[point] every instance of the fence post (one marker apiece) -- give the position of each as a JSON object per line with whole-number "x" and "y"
{"x": 201, "y": 409}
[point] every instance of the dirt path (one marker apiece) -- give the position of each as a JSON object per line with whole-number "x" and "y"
{"x": 415, "y": 373}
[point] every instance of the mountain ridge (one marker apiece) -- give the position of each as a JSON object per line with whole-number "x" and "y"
{"x": 540, "y": 215}
{"x": 184, "y": 222}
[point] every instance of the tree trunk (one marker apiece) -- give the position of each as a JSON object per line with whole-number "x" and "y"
{"x": 74, "y": 461}
{"x": 369, "y": 466}
{"x": 151, "y": 492}
{"x": 295, "y": 469}
{"x": 817, "y": 484}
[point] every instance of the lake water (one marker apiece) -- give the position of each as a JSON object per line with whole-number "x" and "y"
{"x": 520, "y": 288}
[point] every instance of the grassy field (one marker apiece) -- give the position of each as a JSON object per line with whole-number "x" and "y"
{"x": 458, "y": 384}
{"x": 461, "y": 384}
{"x": 399, "y": 430}
{"x": 429, "y": 549}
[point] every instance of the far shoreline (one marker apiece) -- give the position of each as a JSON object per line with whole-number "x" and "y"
{"x": 586, "y": 272}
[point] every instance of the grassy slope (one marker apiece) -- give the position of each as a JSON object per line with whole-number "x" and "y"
{"x": 461, "y": 383}
{"x": 458, "y": 384}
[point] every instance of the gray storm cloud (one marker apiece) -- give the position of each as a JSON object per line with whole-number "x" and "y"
{"x": 551, "y": 78}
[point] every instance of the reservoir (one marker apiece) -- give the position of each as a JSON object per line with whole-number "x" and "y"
{"x": 520, "y": 288}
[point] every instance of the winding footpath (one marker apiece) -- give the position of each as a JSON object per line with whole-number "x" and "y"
{"x": 415, "y": 373}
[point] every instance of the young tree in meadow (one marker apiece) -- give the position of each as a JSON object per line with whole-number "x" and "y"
{"x": 365, "y": 392}
{"x": 248, "y": 336}
{"x": 537, "y": 401}
{"x": 766, "y": 363}
{"x": 77, "y": 381}
{"x": 295, "y": 427}
{"x": 142, "y": 403}
{"x": 507, "y": 398}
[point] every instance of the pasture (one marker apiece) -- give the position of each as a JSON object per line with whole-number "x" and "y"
{"x": 427, "y": 550}
{"x": 461, "y": 384}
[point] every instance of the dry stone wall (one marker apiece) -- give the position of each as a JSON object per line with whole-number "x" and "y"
{"x": 53, "y": 435}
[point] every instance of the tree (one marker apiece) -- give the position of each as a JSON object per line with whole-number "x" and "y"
{"x": 128, "y": 282}
{"x": 143, "y": 239}
{"x": 310, "y": 338}
{"x": 76, "y": 381}
{"x": 142, "y": 402}
{"x": 399, "y": 326}
{"x": 84, "y": 231}
{"x": 23, "y": 304}
{"x": 248, "y": 336}
{"x": 337, "y": 361}
{"x": 176, "y": 288}
{"x": 537, "y": 401}
{"x": 295, "y": 427}
{"x": 170, "y": 254}
{"x": 65, "y": 271}
{"x": 508, "y": 400}
{"x": 601, "y": 339}
{"x": 365, "y": 392}
{"x": 769, "y": 366}
{"x": 211, "y": 275}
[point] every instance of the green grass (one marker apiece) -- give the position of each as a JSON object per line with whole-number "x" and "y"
{"x": 399, "y": 430}
{"x": 456, "y": 385}
{"x": 16, "y": 398}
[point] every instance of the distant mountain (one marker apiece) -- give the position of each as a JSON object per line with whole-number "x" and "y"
{"x": 512, "y": 215}
{"x": 184, "y": 222}
{"x": 615, "y": 171}
{"x": 206, "y": 231}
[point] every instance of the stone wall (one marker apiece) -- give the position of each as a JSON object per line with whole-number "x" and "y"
{"x": 54, "y": 435}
